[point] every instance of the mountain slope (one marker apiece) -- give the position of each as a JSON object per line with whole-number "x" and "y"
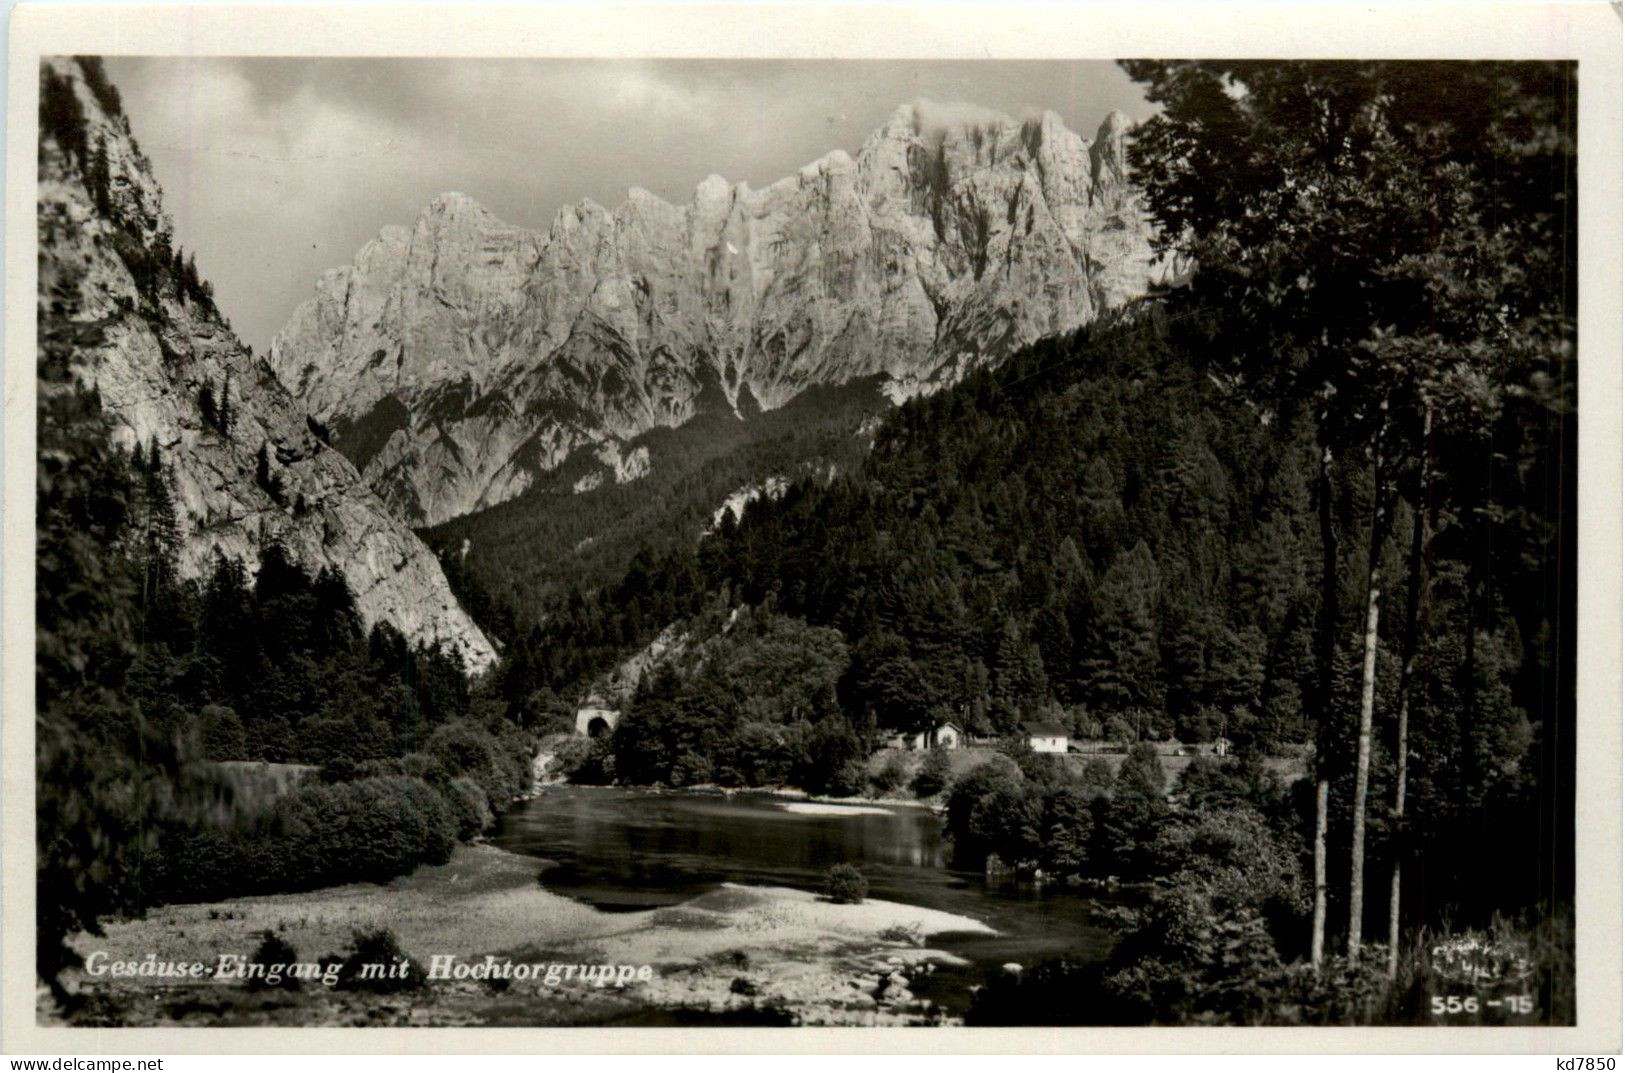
{"x": 457, "y": 360}
{"x": 572, "y": 531}
{"x": 132, "y": 322}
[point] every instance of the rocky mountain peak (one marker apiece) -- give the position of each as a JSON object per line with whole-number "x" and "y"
{"x": 937, "y": 120}
{"x": 454, "y": 204}
{"x": 1109, "y": 153}
{"x": 955, "y": 235}
{"x": 639, "y": 197}
{"x": 836, "y": 160}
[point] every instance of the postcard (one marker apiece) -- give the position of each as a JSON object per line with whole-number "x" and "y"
{"x": 803, "y": 528}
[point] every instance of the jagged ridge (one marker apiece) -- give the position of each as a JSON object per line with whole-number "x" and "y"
{"x": 947, "y": 242}
{"x": 149, "y": 349}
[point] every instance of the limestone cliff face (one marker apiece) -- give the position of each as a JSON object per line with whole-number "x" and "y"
{"x": 150, "y": 349}
{"x": 458, "y": 358}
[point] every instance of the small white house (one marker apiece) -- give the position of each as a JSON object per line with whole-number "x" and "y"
{"x": 941, "y": 736}
{"x": 1047, "y": 737}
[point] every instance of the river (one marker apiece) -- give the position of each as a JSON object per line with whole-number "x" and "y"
{"x": 628, "y": 849}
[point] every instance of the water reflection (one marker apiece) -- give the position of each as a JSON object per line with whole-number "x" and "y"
{"x": 634, "y": 849}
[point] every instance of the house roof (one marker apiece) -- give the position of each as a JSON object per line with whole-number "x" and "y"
{"x": 1045, "y": 730}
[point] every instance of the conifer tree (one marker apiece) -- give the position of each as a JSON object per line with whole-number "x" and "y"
{"x": 207, "y": 407}
{"x": 1122, "y": 663}
{"x": 99, "y": 178}
{"x": 226, "y": 413}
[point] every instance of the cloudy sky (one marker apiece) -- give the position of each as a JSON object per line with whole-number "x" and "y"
{"x": 277, "y": 169}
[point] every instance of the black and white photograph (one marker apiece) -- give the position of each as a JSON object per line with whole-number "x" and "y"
{"x": 670, "y": 541}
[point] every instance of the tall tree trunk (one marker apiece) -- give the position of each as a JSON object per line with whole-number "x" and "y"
{"x": 1415, "y": 585}
{"x": 1362, "y": 764}
{"x": 1325, "y": 650}
{"x": 1317, "y": 941}
{"x": 1368, "y": 698}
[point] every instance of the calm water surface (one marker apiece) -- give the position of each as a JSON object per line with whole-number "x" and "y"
{"x": 627, "y": 849}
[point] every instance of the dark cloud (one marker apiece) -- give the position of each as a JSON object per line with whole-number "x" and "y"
{"x": 276, "y": 169}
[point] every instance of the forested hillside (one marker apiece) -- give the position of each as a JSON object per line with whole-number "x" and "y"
{"x": 527, "y": 554}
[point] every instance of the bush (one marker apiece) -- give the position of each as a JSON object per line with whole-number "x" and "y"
{"x": 1119, "y": 730}
{"x": 570, "y": 755}
{"x": 598, "y": 768}
{"x": 971, "y": 843}
{"x": 375, "y": 769}
{"x": 377, "y": 963}
{"x": 1209, "y": 784}
{"x": 501, "y": 765}
{"x": 276, "y": 956}
{"x": 470, "y": 808}
{"x": 849, "y": 780}
{"x": 1005, "y": 821}
{"x": 932, "y": 778}
{"x": 339, "y": 769}
{"x": 891, "y": 776}
{"x": 691, "y": 769}
{"x": 430, "y": 769}
{"x": 368, "y": 829}
{"x": 1142, "y": 773}
{"x": 845, "y": 885}
{"x": 907, "y": 934}
{"x": 1043, "y": 769}
{"x": 1096, "y": 778}
{"x": 223, "y": 735}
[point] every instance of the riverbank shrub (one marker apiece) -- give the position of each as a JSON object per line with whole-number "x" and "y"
{"x": 935, "y": 771}
{"x": 845, "y": 885}
{"x": 470, "y": 806}
{"x": 375, "y": 962}
{"x": 272, "y": 952}
{"x": 570, "y": 754}
{"x": 850, "y": 779}
{"x": 891, "y": 775}
{"x": 366, "y": 830}
{"x": 1049, "y": 818}
{"x": 498, "y": 759}
{"x": 972, "y": 841}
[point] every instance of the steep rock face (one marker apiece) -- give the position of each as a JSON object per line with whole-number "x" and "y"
{"x": 459, "y": 358}
{"x": 149, "y": 350}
